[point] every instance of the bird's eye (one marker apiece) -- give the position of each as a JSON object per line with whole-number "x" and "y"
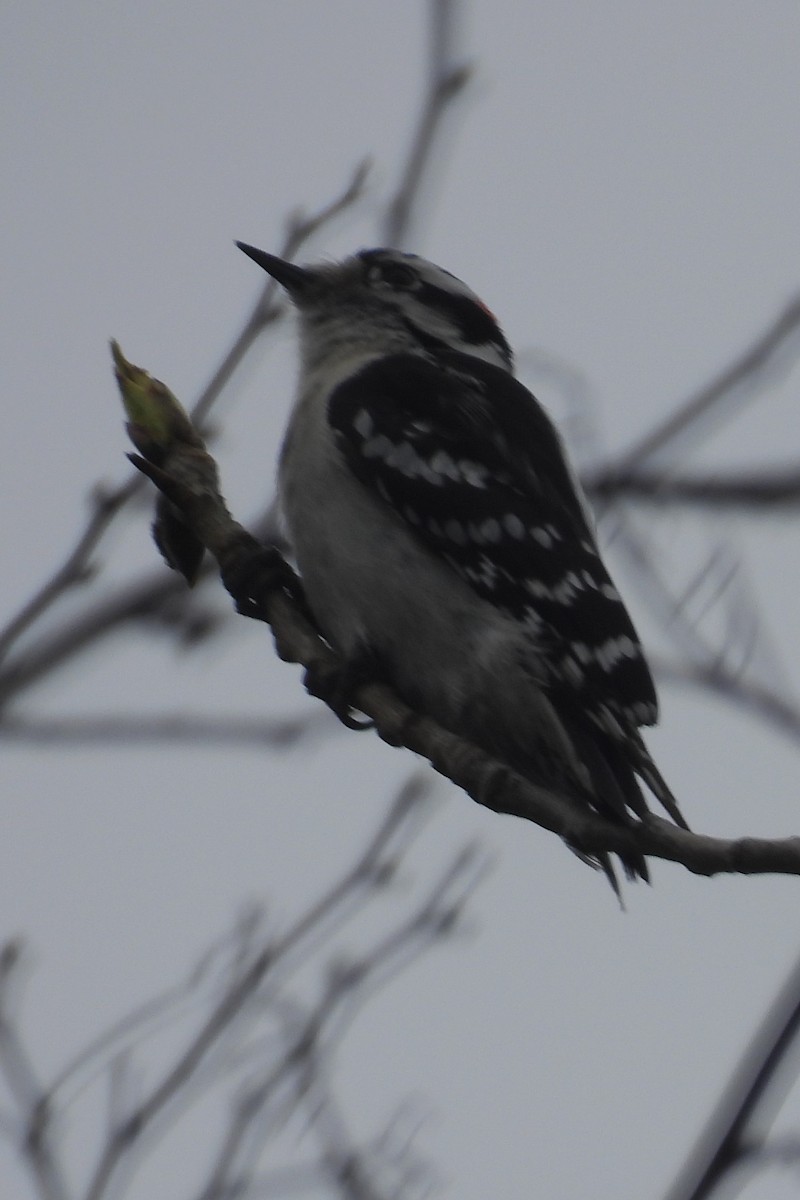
{"x": 397, "y": 275}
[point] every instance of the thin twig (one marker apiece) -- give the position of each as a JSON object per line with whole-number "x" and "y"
{"x": 152, "y": 1015}
{"x": 754, "y": 491}
{"x": 268, "y": 308}
{"x": 148, "y": 598}
{"x": 201, "y": 730}
{"x": 35, "y": 1116}
{"x": 369, "y": 870}
{"x": 752, "y": 1095}
{"x": 55, "y": 648}
{"x": 779, "y": 712}
{"x": 719, "y": 398}
{"x": 311, "y": 1033}
{"x": 445, "y": 82}
{"x": 662, "y": 597}
{"x": 77, "y": 568}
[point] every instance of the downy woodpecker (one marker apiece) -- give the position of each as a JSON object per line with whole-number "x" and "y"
{"x": 440, "y": 532}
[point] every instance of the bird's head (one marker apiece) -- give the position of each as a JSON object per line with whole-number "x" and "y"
{"x": 386, "y": 300}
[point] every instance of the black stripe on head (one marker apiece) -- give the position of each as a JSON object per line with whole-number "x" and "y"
{"x": 474, "y": 321}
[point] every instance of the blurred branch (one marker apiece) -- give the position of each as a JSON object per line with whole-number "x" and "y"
{"x": 387, "y": 1154}
{"x": 151, "y": 598}
{"x": 445, "y": 83}
{"x": 265, "y": 588}
{"x": 32, "y": 1102}
{"x": 311, "y": 1032}
{"x": 372, "y": 870}
{"x": 718, "y": 655}
{"x": 276, "y": 1073}
{"x": 647, "y": 472}
{"x": 146, "y": 598}
{"x": 779, "y": 712}
{"x": 757, "y": 490}
{"x": 736, "y": 1133}
{"x": 719, "y": 399}
{"x": 77, "y": 569}
{"x": 634, "y": 475}
{"x": 251, "y": 995}
{"x": 299, "y": 228}
{"x": 373, "y": 1161}
{"x": 174, "y": 728}
{"x": 667, "y": 597}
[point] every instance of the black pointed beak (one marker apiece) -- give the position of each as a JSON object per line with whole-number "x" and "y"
{"x": 295, "y": 279}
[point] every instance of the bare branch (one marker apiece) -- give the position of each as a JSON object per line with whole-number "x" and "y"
{"x": 755, "y": 491}
{"x": 77, "y": 568}
{"x": 371, "y": 870}
{"x": 723, "y": 395}
{"x": 35, "y": 1115}
{"x": 146, "y": 598}
{"x": 714, "y": 664}
{"x": 151, "y": 598}
{"x": 311, "y": 1033}
{"x": 173, "y": 728}
{"x": 268, "y": 308}
{"x": 780, "y": 712}
{"x": 755, "y": 1091}
{"x": 445, "y": 83}
{"x": 220, "y": 961}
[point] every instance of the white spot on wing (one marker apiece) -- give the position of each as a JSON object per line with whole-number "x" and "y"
{"x": 443, "y": 464}
{"x": 473, "y": 473}
{"x": 487, "y": 574}
{"x": 514, "y": 526}
{"x": 363, "y": 424}
{"x": 572, "y": 671}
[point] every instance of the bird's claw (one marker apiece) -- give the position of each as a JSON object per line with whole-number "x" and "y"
{"x": 253, "y": 573}
{"x": 335, "y": 687}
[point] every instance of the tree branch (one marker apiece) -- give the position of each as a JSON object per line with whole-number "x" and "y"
{"x": 147, "y": 599}
{"x": 268, "y": 308}
{"x": 310, "y": 1032}
{"x": 719, "y": 397}
{"x": 266, "y": 589}
{"x": 729, "y": 1137}
{"x": 755, "y": 490}
{"x": 372, "y": 870}
{"x": 77, "y": 568}
{"x": 31, "y": 1100}
{"x": 445, "y": 83}
{"x": 780, "y": 712}
{"x": 264, "y": 733}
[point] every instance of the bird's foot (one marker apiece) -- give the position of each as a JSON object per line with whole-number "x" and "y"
{"x": 253, "y": 572}
{"x": 337, "y": 685}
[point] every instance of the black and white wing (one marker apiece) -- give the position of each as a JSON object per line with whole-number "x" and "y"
{"x": 467, "y": 457}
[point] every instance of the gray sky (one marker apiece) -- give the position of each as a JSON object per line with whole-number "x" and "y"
{"x": 622, "y": 187}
